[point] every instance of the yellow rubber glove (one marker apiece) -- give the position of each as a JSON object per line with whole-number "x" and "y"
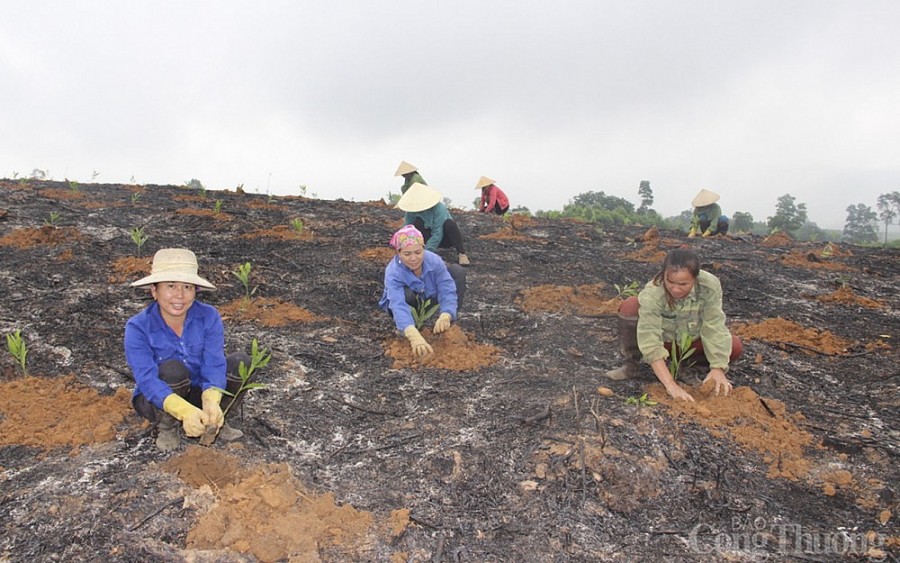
{"x": 420, "y": 347}
{"x": 442, "y": 324}
{"x": 192, "y": 418}
{"x": 693, "y": 232}
{"x": 211, "y": 399}
{"x": 707, "y": 233}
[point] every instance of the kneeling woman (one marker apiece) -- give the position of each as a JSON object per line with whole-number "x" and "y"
{"x": 680, "y": 299}
{"x": 414, "y": 275}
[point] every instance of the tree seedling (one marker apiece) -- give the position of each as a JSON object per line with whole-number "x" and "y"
{"x": 628, "y": 290}
{"x": 52, "y": 220}
{"x": 681, "y": 351}
{"x": 259, "y": 358}
{"x": 642, "y": 401}
{"x": 137, "y": 235}
{"x": 135, "y": 196}
{"x": 16, "y": 346}
{"x": 217, "y": 207}
{"x": 297, "y": 225}
{"x": 243, "y": 274}
{"x": 423, "y": 311}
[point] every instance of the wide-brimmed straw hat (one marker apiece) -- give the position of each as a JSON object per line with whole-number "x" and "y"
{"x": 404, "y": 168}
{"x": 174, "y": 265}
{"x": 483, "y": 182}
{"x": 419, "y": 197}
{"x": 704, "y": 198}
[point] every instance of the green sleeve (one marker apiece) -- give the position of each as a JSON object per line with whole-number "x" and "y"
{"x": 713, "y": 332}
{"x": 650, "y": 323}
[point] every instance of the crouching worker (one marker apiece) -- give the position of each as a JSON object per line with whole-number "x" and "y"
{"x": 493, "y": 200}
{"x": 415, "y": 275}
{"x": 424, "y": 210}
{"x": 680, "y": 299}
{"x": 708, "y": 219}
{"x": 176, "y": 351}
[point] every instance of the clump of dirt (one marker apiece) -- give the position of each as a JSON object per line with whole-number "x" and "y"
{"x": 806, "y": 259}
{"x": 781, "y": 331}
{"x": 265, "y": 512}
{"x": 281, "y": 232}
{"x": 382, "y": 254}
{"x": 650, "y": 252}
{"x": 845, "y": 296}
{"x": 586, "y": 300}
{"x": 761, "y": 425}
{"x": 454, "y": 350}
{"x": 779, "y": 238}
{"x": 193, "y": 212}
{"x": 129, "y": 268}
{"x": 50, "y": 412}
{"x": 33, "y": 236}
{"x": 190, "y": 198}
{"x": 55, "y": 193}
{"x": 267, "y": 312}
{"x": 507, "y": 233}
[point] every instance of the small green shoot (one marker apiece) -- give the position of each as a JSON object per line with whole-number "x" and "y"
{"x": 630, "y": 289}
{"x": 73, "y": 185}
{"x": 297, "y": 225}
{"x": 243, "y": 274}
{"x": 258, "y": 360}
{"x": 196, "y": 184}
{"x": 52, "y": 220}
{"x": 135, "y": 196}
{"x": 302, "y": 190}
{"x": 137, "y": 235}
{"x": 642, "y": 401}
{"x": 16, "y": 346}
{"x": 217, "y": 207}
{"x": 681, "y": 351}
{"x": 423, "y": 311}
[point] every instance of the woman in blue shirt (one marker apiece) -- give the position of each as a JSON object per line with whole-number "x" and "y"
{"x": 415, "y": 275}
{"x": 176, "y": 351}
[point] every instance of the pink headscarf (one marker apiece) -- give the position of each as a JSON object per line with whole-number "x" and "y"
{"x": 408, "y": 235}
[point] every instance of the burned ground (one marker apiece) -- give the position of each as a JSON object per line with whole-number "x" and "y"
{"x": 508, "y": 450}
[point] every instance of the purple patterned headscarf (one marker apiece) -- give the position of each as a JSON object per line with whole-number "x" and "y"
{"x": 407, "y": 236}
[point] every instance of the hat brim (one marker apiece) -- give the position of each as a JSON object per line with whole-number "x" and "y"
{"x": 174, "y": 277}
{"x": 704, "y": 198}
{"x": 419, "y": 197}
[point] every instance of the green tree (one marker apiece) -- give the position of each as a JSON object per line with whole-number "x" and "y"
{"x": 811, "y": 232}
{"x": 861, "y": 226}
{"x": 741, "y": 222}
{"x": 601, "y": 200}
{"x": 888, "y": 210}
{"x": 789, "y": 216}
{"x": 646, "y": 196}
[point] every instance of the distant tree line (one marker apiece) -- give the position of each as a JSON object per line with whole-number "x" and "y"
{"x": 790, "y": 217}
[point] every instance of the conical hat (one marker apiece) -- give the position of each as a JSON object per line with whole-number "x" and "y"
{"x": 704, "y": 198}
{"x": 404, "y": 168}
{"x": 419, "y": 197}
{"x": 483, "y": 182}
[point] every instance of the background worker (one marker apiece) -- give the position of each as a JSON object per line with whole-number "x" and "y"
{"x": 708, "y": 219}
{"x": 493, "y": 200}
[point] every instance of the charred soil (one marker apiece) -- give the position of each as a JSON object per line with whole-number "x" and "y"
{"x": 507, "y": 445}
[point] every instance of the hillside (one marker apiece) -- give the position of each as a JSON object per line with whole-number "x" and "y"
{"x": 501, "y": 448}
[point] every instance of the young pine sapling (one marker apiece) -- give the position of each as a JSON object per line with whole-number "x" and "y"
{"x": 16, "y": 346}
{"x": 681, "y": 351}
{"x": 137, "y": 235}
{"x": 423, "y": 311}
{"x": 258, "y": 360}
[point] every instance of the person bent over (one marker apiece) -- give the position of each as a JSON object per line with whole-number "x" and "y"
{"x": 424, "y": 210}
{"x": 708, "y": 219}
{"x": 415, "y": 275}
{"x": 680, "y": 299}
{"x": 493, "y": 200}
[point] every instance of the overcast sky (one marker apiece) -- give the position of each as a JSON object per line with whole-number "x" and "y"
{"x": 752, "y": 99}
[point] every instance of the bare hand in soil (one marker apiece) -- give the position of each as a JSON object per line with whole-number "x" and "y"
{"x": 678, "y": 393}
{"x": 209, "y": 435}
{"x": 722, "y": 383}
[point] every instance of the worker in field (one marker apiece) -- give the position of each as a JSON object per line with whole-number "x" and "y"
{"x": 493, "y": 200}
{"x": 430, "y": 216}
{"x": 681, "y": 304}
{"x": 418, "y": 278}
{"x": 707, "y": 219}
{"x": 410, "y": 176}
